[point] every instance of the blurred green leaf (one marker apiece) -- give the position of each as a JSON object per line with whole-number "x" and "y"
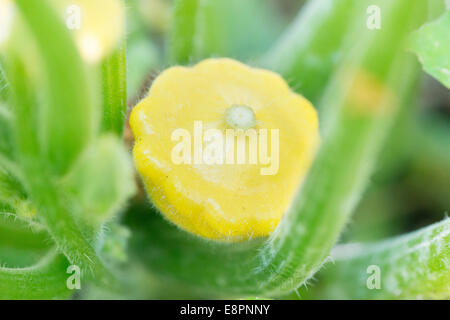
{"x": 205, "y": 28}
{"x": 142, "y": 57}
{"x": 102, "y": 180}
{"x": 67, "y": 116}
{"x": 224, "y": 28}
{"x": 114, "y": 243}
{"x": 430, "y": 176}
{"x": 431, "y": 43}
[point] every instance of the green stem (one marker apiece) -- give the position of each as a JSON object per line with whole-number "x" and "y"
{"x": 7, "y": 213}
{"x": 412, "y": 266}
{"x": 114, "y": 73}
{"x": 310, "y": 49}
{"x": 3, "y": 86}
{"x": 22, "y": 241}
{"x": 182, "y": 38}
{"x": 11, "y": 179}
{"x": 45, "y": 280}
{"x": 210, "y": 34}
{"x": 6, "y": 132}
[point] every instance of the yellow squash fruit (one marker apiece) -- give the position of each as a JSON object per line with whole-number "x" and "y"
{"x": 192, "y": 114}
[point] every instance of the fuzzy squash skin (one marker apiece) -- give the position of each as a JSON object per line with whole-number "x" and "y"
{"x": 228, "y": 202}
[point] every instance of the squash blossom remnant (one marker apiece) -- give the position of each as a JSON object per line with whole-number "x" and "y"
{"x": 7, "y": 11}
{"x": 368, "y": 95}
{"x": 221, "y": 201}
{"x": 156, "y": 13}
{"x": 97, "y": 25}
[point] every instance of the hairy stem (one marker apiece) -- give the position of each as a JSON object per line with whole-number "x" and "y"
{"x": 3, "y": 86}
{"x": 45, "y": 280}
{"x": 412, "y": 266}
{"x": 114, "y": 73}
{"x": 310, "y": 49}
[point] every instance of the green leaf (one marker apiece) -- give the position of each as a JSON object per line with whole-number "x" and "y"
{"x": 102, "y": 180}
{"x": 432, "y": 45}
{"x": 114, "y": 243}
{"x": 142, "y": 58}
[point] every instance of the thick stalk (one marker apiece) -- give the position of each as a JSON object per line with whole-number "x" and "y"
{"x": 182, "y": 38}
{"x": 45, "y": 280}
{"x": 114, "y": 80}
{"x": 311, "y": 48}
{"x": 412, "y": 266}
